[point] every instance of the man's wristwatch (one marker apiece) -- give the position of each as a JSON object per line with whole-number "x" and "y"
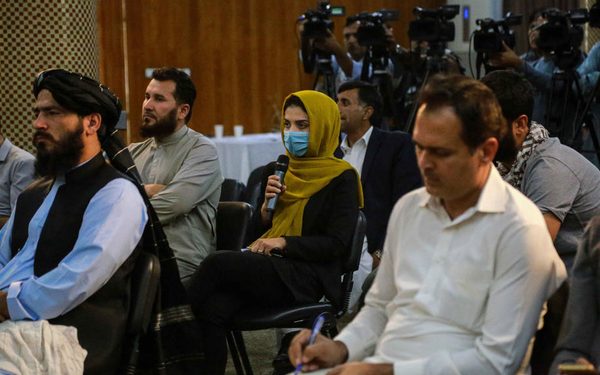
{"x": 377, "y": 254}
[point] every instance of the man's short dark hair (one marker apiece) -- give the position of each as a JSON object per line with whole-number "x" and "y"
{"x": 473, "y": 103}
{"x": 513, "y": 91}
{"x": 367, "y": 95}
{"x": 185, "y": 90}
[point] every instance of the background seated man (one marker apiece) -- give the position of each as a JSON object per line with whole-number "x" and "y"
{"x": 66, "y": 251}
{"x": 16, "y": 172}
{"x": 533, "y": 162}
{"x": 385, "y": 161}
{"x": 467, "y": 261}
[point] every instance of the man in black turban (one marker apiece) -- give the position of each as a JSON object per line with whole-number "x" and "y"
{"x": 67, "y": 251}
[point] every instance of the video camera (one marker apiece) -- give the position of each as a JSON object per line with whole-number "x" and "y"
{"x": 562, "y": 31}
{"x": 317, "y": 25}
{"x": 433, "y": 25}
{"x": 317, "y": 21}
{"x": 491, "y": 34}
{"x": 371, "y": 31}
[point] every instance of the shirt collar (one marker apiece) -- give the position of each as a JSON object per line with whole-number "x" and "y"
{"x": 344, "y": 145}
{"x": 85, "y": 170}
{"x": 492, "y": 199}
{"x": 5, "y": 149}
{"x": 172, "y": 138}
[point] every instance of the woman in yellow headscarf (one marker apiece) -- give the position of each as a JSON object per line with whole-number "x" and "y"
{"x": 299, "y": 257}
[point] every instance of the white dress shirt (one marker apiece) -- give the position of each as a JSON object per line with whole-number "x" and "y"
{"x": 355, "y": 154}
{"x": 458, "y": 296}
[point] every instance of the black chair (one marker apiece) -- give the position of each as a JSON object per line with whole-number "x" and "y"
{"x": 231, "y": 190}
{"x": 233, "y": 219}
{"x": 253, "y": 189}
{"x": 144, "y": 287}
{"x": 300, "y": 316}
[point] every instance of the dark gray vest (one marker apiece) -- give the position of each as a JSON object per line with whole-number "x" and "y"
{"x": 101, "y": 319}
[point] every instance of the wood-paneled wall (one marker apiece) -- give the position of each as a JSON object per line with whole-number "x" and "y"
{"x": 243, "y": 54}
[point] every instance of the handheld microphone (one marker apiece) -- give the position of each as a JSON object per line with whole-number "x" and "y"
{"x": 281, "y": 167}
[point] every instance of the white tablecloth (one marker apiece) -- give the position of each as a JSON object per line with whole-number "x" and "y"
{"x": 239, "y": 156}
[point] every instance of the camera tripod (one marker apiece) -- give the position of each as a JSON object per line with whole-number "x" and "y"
{"x": 436, "y": 62}
{"x": 375, "y": 70}
{"x": 316, "y": 60}
{"x": 325, "y": 72}
{"x": 588, "y": 119}
{"x": 560, "y": 118}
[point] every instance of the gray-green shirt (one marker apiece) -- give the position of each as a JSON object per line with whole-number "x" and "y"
{"x": 187, "y": 163}
{"x": 561, "y": 181}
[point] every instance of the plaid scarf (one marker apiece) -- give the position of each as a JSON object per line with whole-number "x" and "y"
{"x": 514, "y": 175}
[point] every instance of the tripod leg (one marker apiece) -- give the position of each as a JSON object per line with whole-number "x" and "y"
{"x": 595, "y": 140}
{"x": 413, "y": 112}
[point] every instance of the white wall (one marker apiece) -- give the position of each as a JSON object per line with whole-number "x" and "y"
{"x": 478, "y": 9}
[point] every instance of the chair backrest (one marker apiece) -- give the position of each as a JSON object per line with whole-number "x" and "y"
{"x": 353, "y": 261}
{"x": 231, "y": 190}
{"x": 233, "y": 219}
{"x": 253, "y": 187}
{"x": 144, "y": 289}
{"x": 144, "y": 284}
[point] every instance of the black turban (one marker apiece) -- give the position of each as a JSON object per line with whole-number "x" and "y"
{"x": 80, "y": 94}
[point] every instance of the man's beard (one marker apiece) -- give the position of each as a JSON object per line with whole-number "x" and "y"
{"x": 507, "y": 150}
{"x": 162, "y": 127}
{"x": 60, "y": 155}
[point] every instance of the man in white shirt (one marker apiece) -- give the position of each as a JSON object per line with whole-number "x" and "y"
{"x": 468, "y": 261}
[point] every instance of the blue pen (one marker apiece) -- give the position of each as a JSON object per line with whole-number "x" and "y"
{"x": 317, "y": 325}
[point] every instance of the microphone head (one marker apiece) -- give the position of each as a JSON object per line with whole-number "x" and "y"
{"x": 282, "y": 163}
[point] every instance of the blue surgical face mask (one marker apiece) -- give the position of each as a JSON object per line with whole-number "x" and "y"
{"x": 296, "y": 142}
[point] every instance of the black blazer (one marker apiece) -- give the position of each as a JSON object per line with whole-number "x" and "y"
{"x": 389, "y": 171}
{"x": 312, "y": 263}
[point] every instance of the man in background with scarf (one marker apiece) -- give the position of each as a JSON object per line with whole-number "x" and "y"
{"x": 67, "y": 251}
{"x": 560, "y": 181}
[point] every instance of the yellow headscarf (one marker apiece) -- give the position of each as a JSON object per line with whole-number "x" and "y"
{"x": 310, "y": 173}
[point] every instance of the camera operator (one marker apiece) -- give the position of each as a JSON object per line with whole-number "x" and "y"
{"x": 347, "y": 59}
{"x": 535, "y": 21}
{"x": 542, "y": 74}
{"x": 355, "y": 50}
{"x": 343, "y": 64}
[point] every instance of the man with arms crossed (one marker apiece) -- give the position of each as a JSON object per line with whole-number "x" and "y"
{"x": 179, "y": 167}
{"x": 467, "y": 262}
